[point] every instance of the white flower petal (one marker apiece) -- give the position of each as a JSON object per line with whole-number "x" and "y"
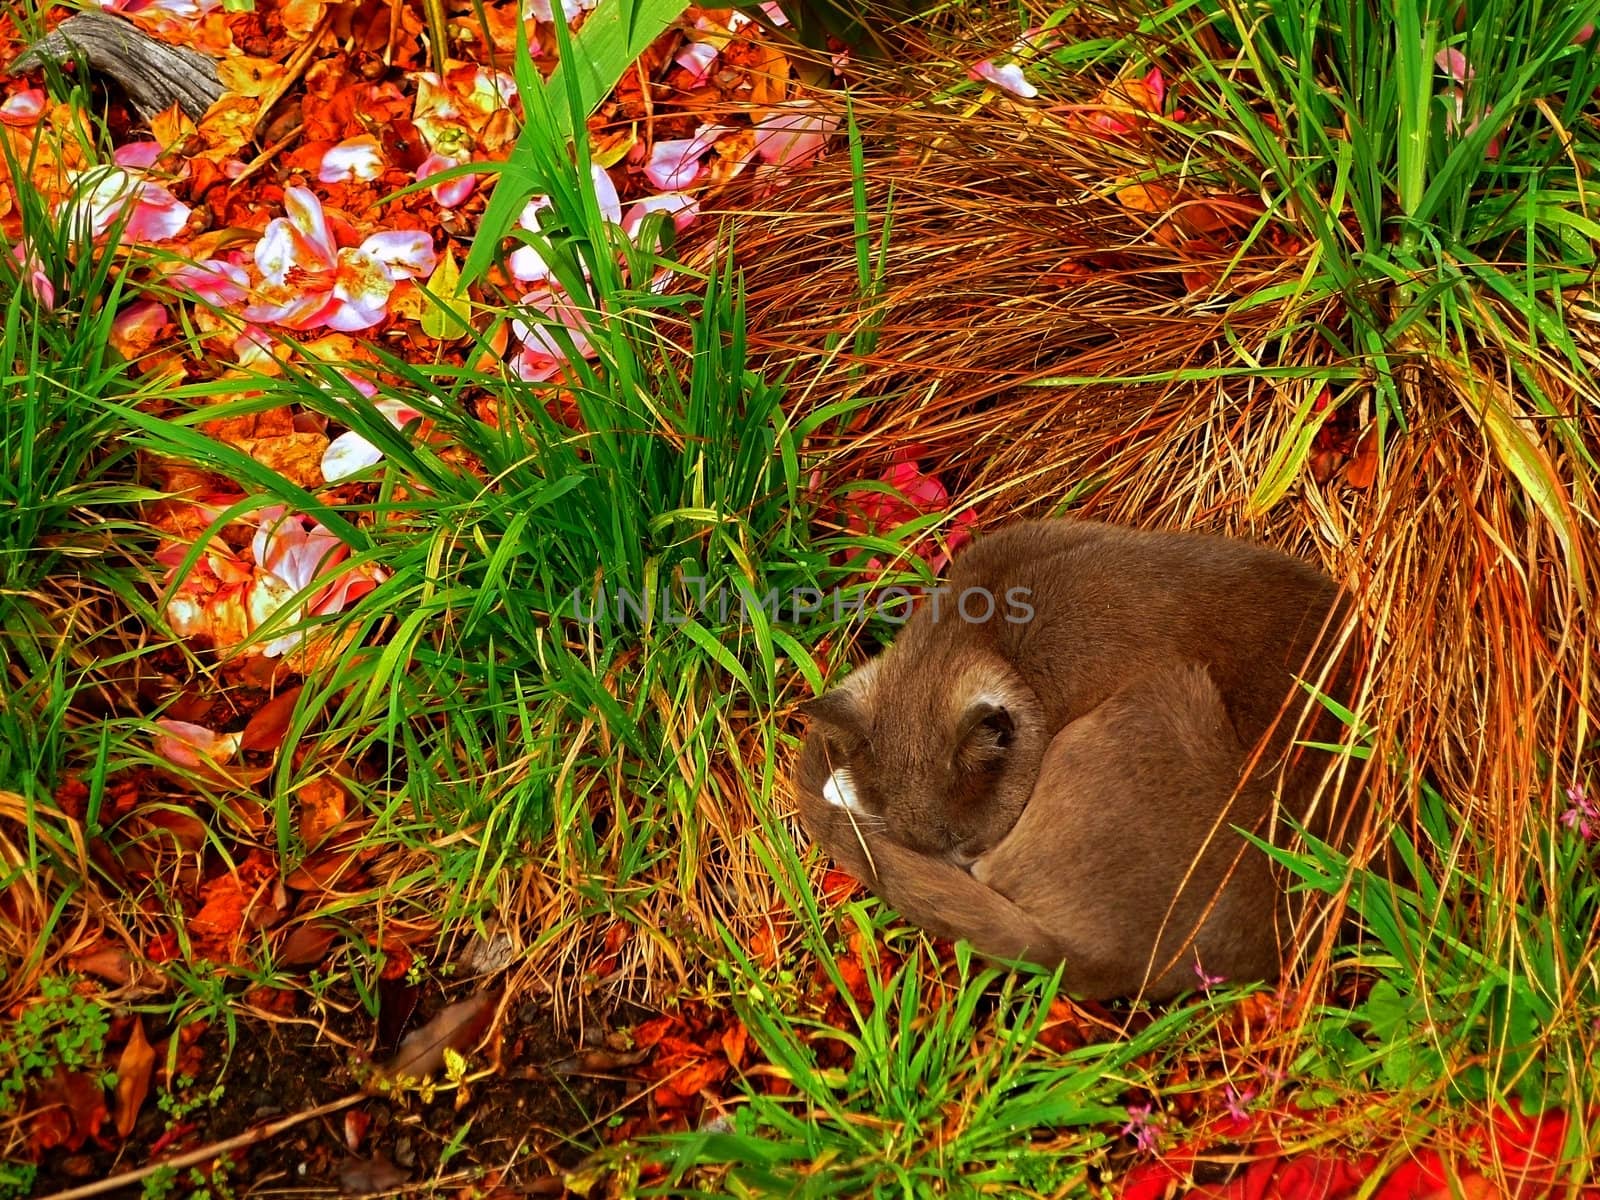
{"x": 347, "y": 455}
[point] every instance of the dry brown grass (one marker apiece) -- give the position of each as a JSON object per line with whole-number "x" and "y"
{"x": 1012, "y": 266}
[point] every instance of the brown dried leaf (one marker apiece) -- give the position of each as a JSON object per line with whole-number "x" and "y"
{"x": 455, "y": 1027}
{"x": 134, "y": 1070}
{"x": 307, "y": 944}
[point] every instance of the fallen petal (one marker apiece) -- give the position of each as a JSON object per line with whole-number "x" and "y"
{"x": 138, "y": 156}
{"x": 186, "y": 744}
{"x": 1454, "y": 64}
{"x": 793, "y": 136}
{"x": 405, "y": 253}
{"x": 1008, "y": 78}
{"x": 357, "y": 158}
{"x": 683, "y": 208}
{"x": 215, "y": 281}
{"x": 23, "y": 108}
{"x": 348, "y": 454}
{"x": 675, "y": 164}
{"x": 696, "y": 58}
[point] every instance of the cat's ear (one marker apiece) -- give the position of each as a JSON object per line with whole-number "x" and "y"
{"x": 847, "y": 709}
{"x": 984, "y": 734}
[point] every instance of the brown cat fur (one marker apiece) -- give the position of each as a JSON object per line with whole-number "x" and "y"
{"x": 1063, "y": 788}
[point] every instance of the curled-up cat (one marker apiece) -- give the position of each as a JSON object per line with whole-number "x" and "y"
{"x": 1056, "y": 776}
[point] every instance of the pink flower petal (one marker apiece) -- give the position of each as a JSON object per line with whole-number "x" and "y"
{"x": 139, "y": 323}
{"x": 1454, "y": 64}
{"x": 557, "y": 307}
{"x": 215, "y": 281}
{"x": 354, "y": 314}
{"x": 793, "y": 135}
{"x": 527, "y": 265}
{"x": 675, "y": 164}
{"x": 357, "y": 158}
{"x": 405, "y": 253}
{"x": 683, "y": 207}
{"x": 187, "y": 744}
{"x": 450, "y": 192}
{"x": 605, "y": 193}
{"x": 696, "y": 58}
{"x": 295, "y": 554}
{"x": 1008, "y": 78}
{"x": 38, "y": 278}
{"x": 23, "y": 108}
{"x": 544, "y": 10}
{"x": 157, "y": 216}
{"x": 137, "y": 156}
{"x": 307, "y": 220}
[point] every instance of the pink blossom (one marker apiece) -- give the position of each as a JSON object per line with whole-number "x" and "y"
{"x": 107, "y": 194}
{"x": 1008, "y": 78}
{"x": 23, "y": 108}
{"x": 215, "y": 281}
{"x": 792, "y": 135}
{"x": 309, "y": 281}
{"x": 182, "y": 10}
{"x": 696, "y": 58}
{"x": 1582, "y": 815}
{"x": 675, "y": 164}
{"x": 879, "y": 512}
{"x": 773, "y": 11}
{"x": 1206, "y": 979}
{"x": 29, "y": 262}
{"x": 189, "y": 745}
{"x": 447, "y": 193}
{"x": 1142, "y": 1127}
{"x": 294, "y": 554}
{"x": 357, "y": 158}
{"x": 543, "y": 356}
{"x": 1238, "y": 1102}
{"x": 351, "y": 453}
{"x": 683, "y": 207}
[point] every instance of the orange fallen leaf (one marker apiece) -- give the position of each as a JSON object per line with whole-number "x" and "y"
{"x": 1363, "y": 467}
{"x": 322, "y": 808}
{"x": 267, "y": 728}
{"x": 134, "y": 1070}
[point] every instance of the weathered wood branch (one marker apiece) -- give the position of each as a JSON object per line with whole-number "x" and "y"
{"x": 153, "y": 74}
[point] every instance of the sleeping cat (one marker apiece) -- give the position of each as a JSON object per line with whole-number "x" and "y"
{"x": 1063, "y": 788}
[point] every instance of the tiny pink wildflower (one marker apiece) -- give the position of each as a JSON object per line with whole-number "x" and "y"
{"x": 1238, "y": 1103}
{"x": 1582, "y": 815}
{"x": 1142, "y": 1126}
{"x": 1207, "y": 980}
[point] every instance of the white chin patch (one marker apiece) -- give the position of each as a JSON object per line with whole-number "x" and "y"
{"x": 840, "y": 791}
